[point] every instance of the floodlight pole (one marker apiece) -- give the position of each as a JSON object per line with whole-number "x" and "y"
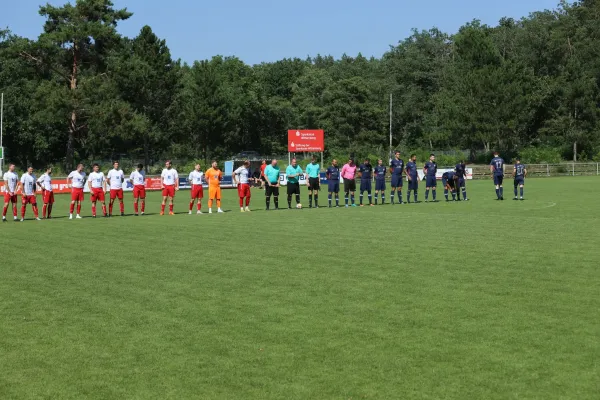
{"x": 1, "y": 128}
{"x": 391, "y": 102}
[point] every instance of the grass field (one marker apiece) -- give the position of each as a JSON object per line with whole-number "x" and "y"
{"x": 471, "y": 300}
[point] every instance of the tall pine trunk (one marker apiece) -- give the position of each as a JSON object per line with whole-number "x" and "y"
{"x": 146, "y": 152}
{"x": 73, "y": 122}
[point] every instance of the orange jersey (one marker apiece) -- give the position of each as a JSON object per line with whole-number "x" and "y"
{"x": 213, "y": 176}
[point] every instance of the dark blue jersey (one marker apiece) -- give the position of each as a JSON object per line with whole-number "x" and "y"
{"x": 366, "y": 171}
{"x": 333, "y": 173}
{"x": 461, "y": 170}
{"x": 411, "y": 168}
{"x": 431, "y": 167}
{"x": 520, "y": 170}
{"x": 449, "y": 175}
{"x": 380, "y": 173}
{"x": 498, "y": 165}
{"x": 397, "y": 167}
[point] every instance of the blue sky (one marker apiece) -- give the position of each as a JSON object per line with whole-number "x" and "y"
{"x": 268, "y": 30}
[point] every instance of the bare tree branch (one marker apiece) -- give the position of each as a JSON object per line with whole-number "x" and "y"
{"x": 38, "y": 61}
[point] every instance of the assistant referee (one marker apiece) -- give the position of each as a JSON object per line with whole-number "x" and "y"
{"x": 272, "y": 182}
{"x": 293, "y": 173}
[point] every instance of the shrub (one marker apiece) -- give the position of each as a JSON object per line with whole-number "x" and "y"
{"x": 534, "y": 155}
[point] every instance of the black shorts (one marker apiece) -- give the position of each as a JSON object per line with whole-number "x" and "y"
{"x": 349, "y": 185}
{"x": 293, "y": 188}
{"x": 272, "y": 190}
{"x": 314, "y": 183}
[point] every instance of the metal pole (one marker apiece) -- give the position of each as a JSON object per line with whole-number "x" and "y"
{"x": 1, "y": 128}
{"x": 573, "y": 169}
{"x": 391, "y": 103}
{"x": 548, "y": 169}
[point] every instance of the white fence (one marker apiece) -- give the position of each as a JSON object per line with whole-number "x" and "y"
{"x": 544, "y": 170}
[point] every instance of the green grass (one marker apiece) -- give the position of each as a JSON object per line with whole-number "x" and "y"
{"x": 477, "y": 300}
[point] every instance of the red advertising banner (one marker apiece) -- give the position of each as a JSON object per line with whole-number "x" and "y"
{"x": 58, "y": 186}
{"x": 306, "y": 140}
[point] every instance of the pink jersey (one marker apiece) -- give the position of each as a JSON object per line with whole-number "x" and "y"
{"x": 349, "y": 172}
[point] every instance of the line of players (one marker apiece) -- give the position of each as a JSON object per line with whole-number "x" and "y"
{"x": 99, "y": 185}
{"x": 348, "y": 174}
{"x": 454, "y": 182}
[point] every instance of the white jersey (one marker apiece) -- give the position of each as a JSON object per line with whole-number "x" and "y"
{"x": 117, "y": 177}
{"x": 97, "y": 179}
{"x": 243, "y": 174}
{"x": 28, "y": 182}
{"x": 46, "y": 181}
{"x": 10, "y": 181}
{"x": 138, "y": 177}
{"x": 195, "y": 177}
{"x": 169, "y": 176}
{"x": 78, "y": 179}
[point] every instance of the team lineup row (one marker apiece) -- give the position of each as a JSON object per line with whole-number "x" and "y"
{"x": 454, "y": 182}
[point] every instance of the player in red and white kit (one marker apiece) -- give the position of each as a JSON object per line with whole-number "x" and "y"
{"x": 115, "y": 179}
{"x": 138, "y": 180}
{"x": 241, "y": 178}
{"x": 97, "y": 185}
{"x": 28, "y": 185}
{"x": 76, "y": 180}
{"x": 11, "y": 187}
{"x": 169, "y": 183}
{"x": 197, "y": 192}
{"x": 45, "y": 184}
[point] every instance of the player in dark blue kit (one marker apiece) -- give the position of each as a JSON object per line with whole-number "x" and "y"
{"x": 450, "y": 182}
{"x": 396, "y": 169}
{"x": 430, "y": 169}
{"x": 461, "y": 173}
{"x": 333, "y": 177}
{"x": 519, "y": 173}
{"x": 413, "y": 177}
{"x": 365, "y": 171}
{"x": 497, "y": 170}
{"x": 380, "y": 171}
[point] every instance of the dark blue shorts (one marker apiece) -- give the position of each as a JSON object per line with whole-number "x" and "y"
{"x": 379, "y": 185}
{"x": 413, "y": 184}
{"x": 519, "y": 181}
{"x": 365, "y": 186}
{"x": 431, "y": 181}
{"x": 498, "y": 179}
{"x": 461, "y": 182}
{"x": 397, "y": 181}
{"x": 450, "y": 183}
{"x": 333, "y": 186}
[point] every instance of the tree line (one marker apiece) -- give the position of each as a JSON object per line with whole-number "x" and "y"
{"x": 82, "y": 91}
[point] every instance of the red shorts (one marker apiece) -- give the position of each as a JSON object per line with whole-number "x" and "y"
{"x": 169, "y": 191}
{"x": 77, "y": 194}
{"x": 197, "y": 192}
{"x": 29, "y": 200}
{"x": 116, "y": 193}
{"x": 97, "y": 194}
{"x": 139, "y": 191}
{"x": 48, "y": 197}
{"x": 8, "y": 198}
{"x": 244, "y": 190}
